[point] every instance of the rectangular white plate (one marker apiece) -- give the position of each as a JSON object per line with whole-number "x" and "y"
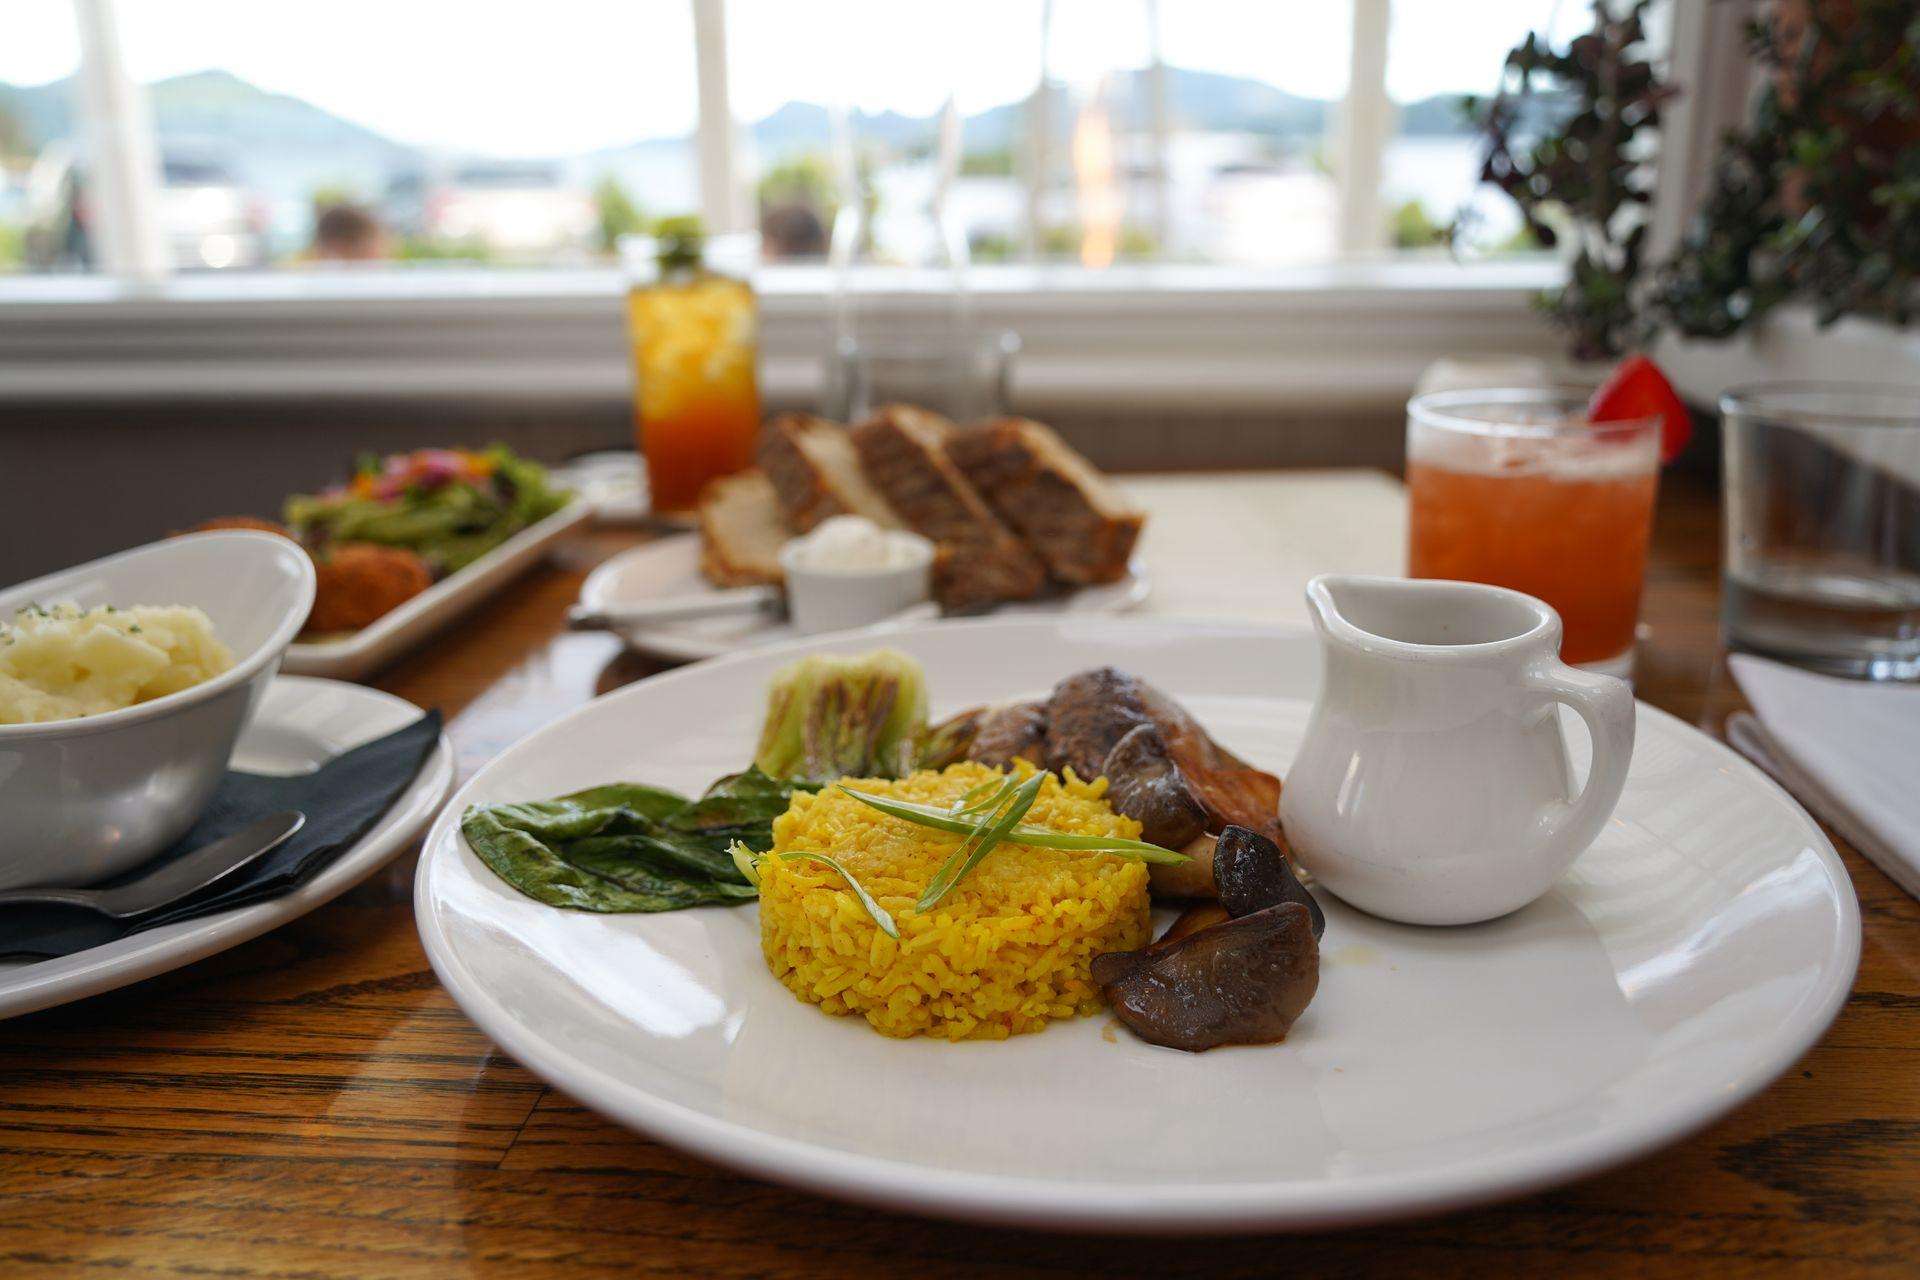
{"x": 353, "y": 655}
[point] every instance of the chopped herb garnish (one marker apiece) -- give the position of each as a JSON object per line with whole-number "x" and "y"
{"x": 749, "y": 863}
{"x": 993, "y": 829}
{"x": 873, "y": 908}
{"x": 1038, "y": 837}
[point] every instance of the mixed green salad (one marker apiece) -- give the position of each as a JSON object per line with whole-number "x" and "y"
{"x": 448, "y": 506}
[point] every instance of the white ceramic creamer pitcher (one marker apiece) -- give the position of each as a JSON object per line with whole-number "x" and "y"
{"x": 1433, "y": 786}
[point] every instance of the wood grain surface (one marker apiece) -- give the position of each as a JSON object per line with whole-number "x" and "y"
{"x": 312, "y": 1104}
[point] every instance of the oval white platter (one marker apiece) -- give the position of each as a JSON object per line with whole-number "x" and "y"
{"x": 299, "y": 725}
{"x": 352, "y": 654}
{"x": 671, "y": 567}
{"x": 1691, "y": 956}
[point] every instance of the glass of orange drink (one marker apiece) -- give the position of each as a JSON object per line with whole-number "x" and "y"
{"x": 695, "y": 331}
{"x": 1517, "y": 488}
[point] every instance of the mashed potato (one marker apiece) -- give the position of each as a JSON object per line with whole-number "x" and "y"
{"x": 60, "y": 661}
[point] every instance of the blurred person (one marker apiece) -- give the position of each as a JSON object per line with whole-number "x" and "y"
{"x": 349, "y": 233}
{"x": 791, "y": 229}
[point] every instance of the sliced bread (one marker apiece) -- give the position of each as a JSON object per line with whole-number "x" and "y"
{"x": 741, "y": 531}
{"x": 981, "y": 562}
{"x": 1051, "y": 495}
{"x": 816, "y": 471}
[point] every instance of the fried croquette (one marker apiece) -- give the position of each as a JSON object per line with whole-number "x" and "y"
{"x": 358, "y": 583}
{"x": 242, "y": 522}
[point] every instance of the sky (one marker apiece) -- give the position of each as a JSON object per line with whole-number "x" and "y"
{"x": 563, "y": 76}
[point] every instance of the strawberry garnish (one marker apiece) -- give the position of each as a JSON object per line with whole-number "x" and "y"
{"x": 1637, "y": 389}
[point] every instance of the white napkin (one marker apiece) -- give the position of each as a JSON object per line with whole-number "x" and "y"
{"x": 1848, "y": 749}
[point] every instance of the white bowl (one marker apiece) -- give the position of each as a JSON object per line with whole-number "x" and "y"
{"x": 85, "y": 799}
{"x": 821, "y": 600}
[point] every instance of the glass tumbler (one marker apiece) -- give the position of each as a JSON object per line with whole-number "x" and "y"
{"x": 1822, "y": 502}
{"x": 694, "y": 325}
{"x": 964, "y": 380}
{"x": 1516, "y": 488}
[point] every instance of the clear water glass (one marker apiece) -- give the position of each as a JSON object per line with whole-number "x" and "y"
{"x": 966, "y": 380}
{"x": 1822, "y": 564}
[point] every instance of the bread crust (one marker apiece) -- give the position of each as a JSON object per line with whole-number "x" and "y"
{"x": 816, "y": 470}
{"x": 1081, "y": 527}
{"x": 981, "y": 561}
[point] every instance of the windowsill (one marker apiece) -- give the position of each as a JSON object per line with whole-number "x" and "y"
{"x": 1349, "y": 335}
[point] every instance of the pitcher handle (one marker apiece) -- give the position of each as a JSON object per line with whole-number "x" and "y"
{"x": 1606, "y": 705}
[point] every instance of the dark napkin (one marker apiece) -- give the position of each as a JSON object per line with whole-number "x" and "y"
{"x": 342, "y": 800}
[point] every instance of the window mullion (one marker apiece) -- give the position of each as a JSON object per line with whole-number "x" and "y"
{"x": 1366, "y": 116}
{"x": 721, "y": 205}
{"x": 1157, "y": 125}
{"x": 122, "y": 161}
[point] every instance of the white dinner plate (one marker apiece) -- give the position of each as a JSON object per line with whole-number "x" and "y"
{"x": 671, "y": 567}
{"x": 1690, "y": 956}
{"x": 299, "y": 726}
{"x": 353, "y": 654}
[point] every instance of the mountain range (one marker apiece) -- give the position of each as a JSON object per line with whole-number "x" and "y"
{"x": 286, "y": 147}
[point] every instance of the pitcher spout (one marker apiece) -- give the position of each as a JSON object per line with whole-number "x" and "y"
{"x": 1424, "y": 617}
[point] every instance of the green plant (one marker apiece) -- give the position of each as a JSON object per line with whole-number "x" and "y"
{"x": 805, "y": 179}
{"x": 994, "y": 163}
{"x": 1566, "y": 137}
{"x": 1414, "y": 228}
{"x": 326, "y": 195}
{"x": 1817, "y": 198}
{"x": 422, "y": 249}
{"x": 618, "y": 214}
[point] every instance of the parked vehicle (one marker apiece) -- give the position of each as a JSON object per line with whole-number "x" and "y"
{"x": 510, "y": 207}
{"x": 207, "y": 219}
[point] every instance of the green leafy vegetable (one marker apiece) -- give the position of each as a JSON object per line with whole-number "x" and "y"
{"x": 1039, "y": 837}
{"x": 627, "y": 847}
{"x": 449, "y": 506}
{"x": 1011, "y": 806}
{"x": 741, "y": 806}
{"x": 833, "y": 717}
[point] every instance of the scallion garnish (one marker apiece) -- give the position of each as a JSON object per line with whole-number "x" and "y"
{"x": 992, "y": 830}
{"x": 1038, "y": 837}
{"x": 987, "y": 795}
{"x": 874, "y": 909}
{"x": 749, "y": 863}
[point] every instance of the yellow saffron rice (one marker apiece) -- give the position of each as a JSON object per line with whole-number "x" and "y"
{"x": 1006, "y": 951}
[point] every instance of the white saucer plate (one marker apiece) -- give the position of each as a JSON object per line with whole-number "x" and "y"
{"x": 1691, "y": 956}
{"x": 300, "y": 725}
{"x": 671, "y": 567}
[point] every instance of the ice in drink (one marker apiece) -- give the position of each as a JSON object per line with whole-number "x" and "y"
{"x": 1560, "y": 510}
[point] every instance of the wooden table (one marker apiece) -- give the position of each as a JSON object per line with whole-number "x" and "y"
{"x": 312, "y": 1103}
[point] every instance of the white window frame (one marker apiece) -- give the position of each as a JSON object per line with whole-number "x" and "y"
{"x": 1347, "y": 334}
